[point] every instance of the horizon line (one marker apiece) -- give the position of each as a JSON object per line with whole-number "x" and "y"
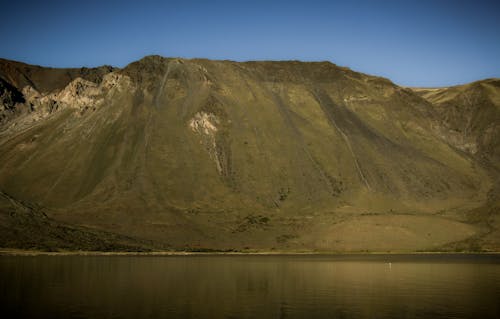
{"x": 249, "y": 61}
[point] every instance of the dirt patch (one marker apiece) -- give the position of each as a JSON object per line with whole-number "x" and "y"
{"x": 392, "y": 233}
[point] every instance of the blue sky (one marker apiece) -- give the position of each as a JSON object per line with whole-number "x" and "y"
{"x": 415, "y": 43}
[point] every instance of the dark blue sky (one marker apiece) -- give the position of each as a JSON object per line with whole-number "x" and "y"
{"x": 417, "y": 43}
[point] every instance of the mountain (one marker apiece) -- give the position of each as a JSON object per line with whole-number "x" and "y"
{"x": 182, "y": 154}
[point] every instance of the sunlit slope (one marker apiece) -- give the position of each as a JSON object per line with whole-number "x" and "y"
{"x": 469, "y": 119}
{"x": 219, "y": 154}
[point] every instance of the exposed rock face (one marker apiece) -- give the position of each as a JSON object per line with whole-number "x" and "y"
{"x": 469, "y": 117}
{"x": 9, "y": 98}
{"x": 79, "y": 94}
{"x": 46, "y": 80}
{"x": 205, "y": 124}
{"x": 196, "y": 154}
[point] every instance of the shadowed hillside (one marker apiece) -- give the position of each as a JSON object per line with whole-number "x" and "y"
{"x": 469, "y": 120}
{"x": 200, "y": 154}
{"x": 26, "y": 226}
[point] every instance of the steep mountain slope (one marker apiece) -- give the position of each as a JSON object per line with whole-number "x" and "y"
{"x": 469, "y": 119}
{"x": 268, "y": 155}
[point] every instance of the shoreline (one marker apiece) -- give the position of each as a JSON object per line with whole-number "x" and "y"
{"x": 20, "y": 252}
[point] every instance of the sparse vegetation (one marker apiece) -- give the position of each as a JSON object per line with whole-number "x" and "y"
{"x": 208, "y": 156}
{"x": 281, "y": 239}
{"x": 283, "y": 193}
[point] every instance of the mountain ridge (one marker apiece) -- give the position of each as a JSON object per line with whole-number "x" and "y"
{"x": 222, "y": 155}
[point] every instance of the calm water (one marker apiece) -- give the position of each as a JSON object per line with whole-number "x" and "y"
{"x": 250, "y": 287}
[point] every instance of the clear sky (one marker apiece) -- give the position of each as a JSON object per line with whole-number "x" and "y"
{"x": 415, "y": 43}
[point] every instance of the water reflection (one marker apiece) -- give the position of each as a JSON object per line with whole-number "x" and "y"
{"x": 249, "y": 287}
